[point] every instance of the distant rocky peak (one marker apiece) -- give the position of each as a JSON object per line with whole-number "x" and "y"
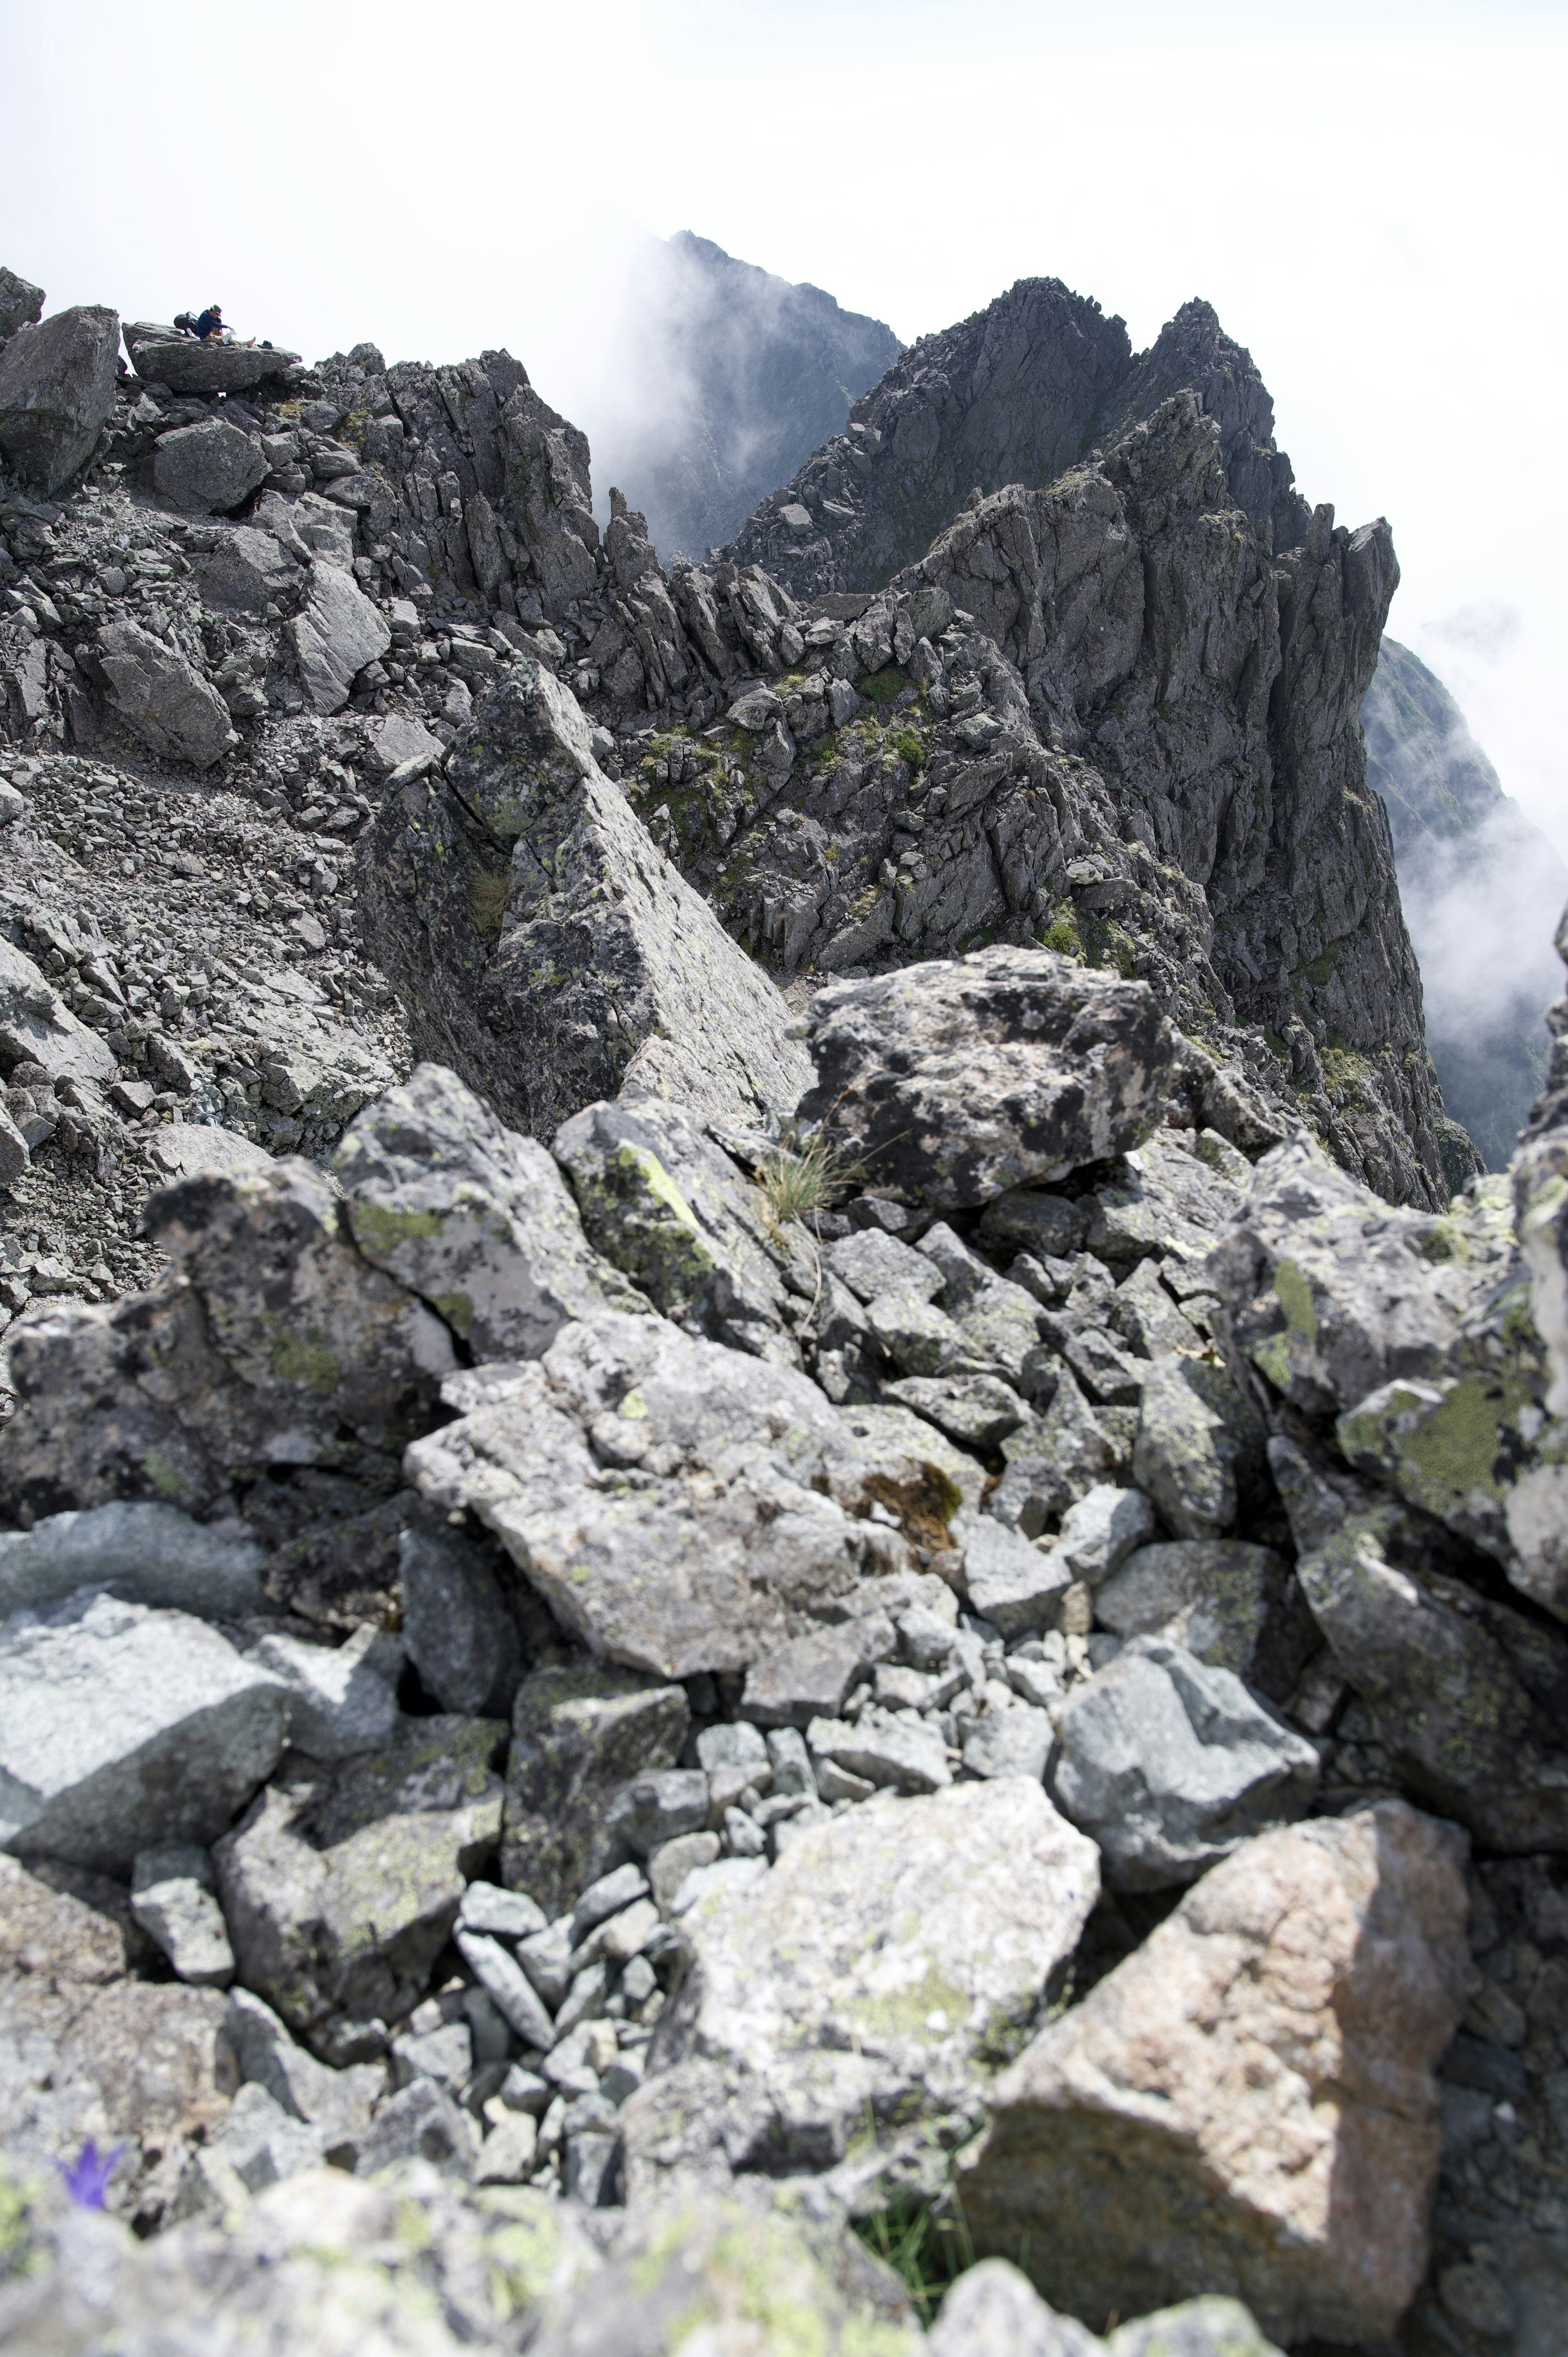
{"x": 1017, "y": 393}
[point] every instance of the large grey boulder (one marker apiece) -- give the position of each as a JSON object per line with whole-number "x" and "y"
{"x": 960, "y": 1079}
{"x": 21, "y": 304}
{"x": 156, "y": 1396}
{"x": 579, "y": 1736}
{"x": 1330, "y": 1292}
{"x": 122, "y": 1728}
{"x": 1247, "y": 2105}
{"x": 37, "y": 1026}
{"x": 1171, "y": 1764}
{"x": 57, "y": 388}
{"x": 147, "y": 1553}
{"x": 245, "y": 571}
{"x": 162, "y": 357}
{"x": 846, "y": 2013}
{"x": 680, "y": 1507}
{"x": 162, "y": 699}
{"x": 545, "y": 949}
{"x": 338, "y": 633}
{"x": 471, "y": 1217}
{"x": 212, "y": 466}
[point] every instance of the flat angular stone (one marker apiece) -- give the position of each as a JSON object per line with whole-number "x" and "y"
{"x": 810, "y": 1677}
{"x": 1015, "y": 1586}
{"x": 1247, "y": 2105}
{"x": 162, "y": 699}
{"x": 1171, "y": 1765}
{"x": 21, "y": 304}
{"x": 37, "y": 1026}
{"x": 504, "y": 1914}
{"x": 56, "y": 390}
{"x": 1101, "y": 1530}
{"x": 1052, "y": 1461}
{"x": 245, "y": 572}
{"x": 457, "y": 1624}
{"x": 185, "y": 365}
{"x": 338, "y": 632}
{"x": 122, "y": 1728}
{"x": 1015, "y": 1742}
{"x": 961, "y": 1078}
{"x": 504, "y": 1980}
{"x": 871, "y": 1263}
{"x": 908, "y": 1755}
{"x": 659, "y": 1807}
{"x": 1230, "y": 1604}
{"x": 174, "y": 1899}
{"x": 866, "y": 1985}
{"x": 144, "y": 1552}
{"x": 977, "y": 1411}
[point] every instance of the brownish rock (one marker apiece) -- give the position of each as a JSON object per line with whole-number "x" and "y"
{"x": 1247, "y": 2104}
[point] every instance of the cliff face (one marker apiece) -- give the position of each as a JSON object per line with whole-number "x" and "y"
{"x": 725, "y": 378}
{"x": 1481, "y": 889}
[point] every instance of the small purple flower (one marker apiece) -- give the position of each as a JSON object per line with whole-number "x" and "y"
{"x": 87, "y": 2178}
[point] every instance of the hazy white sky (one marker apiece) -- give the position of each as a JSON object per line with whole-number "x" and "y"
{"x": 1371, "y": 195}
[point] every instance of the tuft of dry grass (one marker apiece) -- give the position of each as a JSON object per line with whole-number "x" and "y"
{"x": 797, "y": 1181}
{"x": 488, "y": 897}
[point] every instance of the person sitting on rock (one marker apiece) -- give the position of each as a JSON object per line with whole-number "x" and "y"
{"x": 210, "y": 328}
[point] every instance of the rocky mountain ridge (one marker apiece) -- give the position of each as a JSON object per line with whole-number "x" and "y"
{"x": 729, "y": 1617}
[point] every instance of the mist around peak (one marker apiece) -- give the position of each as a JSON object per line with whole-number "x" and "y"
{"x": 720, "y": 380}
{"x": 1482, "y": 890}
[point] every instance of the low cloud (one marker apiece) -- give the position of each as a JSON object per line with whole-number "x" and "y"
{"x": 1485, "y": 631}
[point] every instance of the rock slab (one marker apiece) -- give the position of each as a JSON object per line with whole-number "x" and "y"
{"x": 1247, "y": 2105}
{"x": 872, "y": 1981}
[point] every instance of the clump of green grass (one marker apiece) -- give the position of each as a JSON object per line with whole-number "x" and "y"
{"x": 909, "y": 749}
{"x": 883, "y": 686}
{"x": 488, "y": 897}
{"x": 797, "y": 1181}
{"x": 927, "y": 2244}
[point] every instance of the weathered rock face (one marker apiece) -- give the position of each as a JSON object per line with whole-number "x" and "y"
{"x": 1247, "y": 2104}
{"x": 545, "y": 948}
{"x": 1006, "y": 1068}
{"x": 338, "y": 632}
{"x": 21, "y": 304}
{"x": 271, "y": 1343}
{"x": 871, "y": 1983}
{"x": 163, "y": 700}
{"x": 57, "y": 388}
{"x": 472, "y": 1217}
{"x": 680, "y": 1508}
